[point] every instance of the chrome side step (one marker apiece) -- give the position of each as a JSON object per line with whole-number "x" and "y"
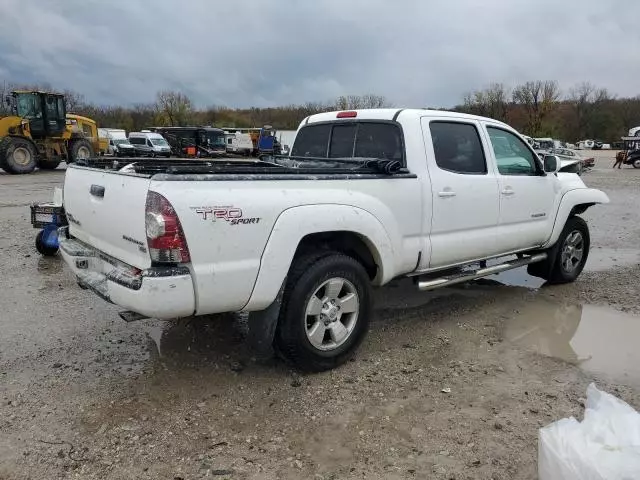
{"x": 433, "y": 283}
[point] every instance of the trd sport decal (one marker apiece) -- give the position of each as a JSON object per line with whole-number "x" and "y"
{"x": 232, "y": 215}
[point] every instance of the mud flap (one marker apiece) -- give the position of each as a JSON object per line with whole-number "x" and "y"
{"x": 262, "y": 327}
{"x": 543, "y": 269}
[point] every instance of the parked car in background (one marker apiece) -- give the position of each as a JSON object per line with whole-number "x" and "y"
{"x": 546, "y": 143}
{"x": 585, "y": 144}
{"x": 570, "y": 155}
{"x": 207, "y": 142}
{"x": 150, "y": 144}
{"x": 239, "y": 143}
{"x": 119, "y": 145}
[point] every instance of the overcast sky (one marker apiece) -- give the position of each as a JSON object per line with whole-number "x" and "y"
{"x": 273, "y": 52}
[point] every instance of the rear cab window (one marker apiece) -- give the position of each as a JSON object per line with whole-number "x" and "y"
{"x": 351, "y": 139}
{"x": 457, "y": 147}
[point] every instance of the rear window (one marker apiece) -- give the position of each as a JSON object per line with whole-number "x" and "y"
{"x": 312, "y": 141}
{"x": 350, "y": 139}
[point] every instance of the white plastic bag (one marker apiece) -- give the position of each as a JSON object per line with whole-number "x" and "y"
{"x": 604, "y": 446}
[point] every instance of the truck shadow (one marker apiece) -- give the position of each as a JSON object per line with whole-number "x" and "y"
{"x": 217, "y": 343}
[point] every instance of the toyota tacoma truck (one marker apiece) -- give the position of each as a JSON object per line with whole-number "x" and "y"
{"x": 300, "y": 241}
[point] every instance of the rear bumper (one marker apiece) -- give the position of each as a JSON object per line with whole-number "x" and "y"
{"x": 157, "y": 292}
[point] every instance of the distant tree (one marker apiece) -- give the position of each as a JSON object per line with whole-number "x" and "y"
{"x": 74, "y": 101}
{"x": 627, "y": 110}
{"x": 538, "y": 99}
{"x": 4, "y": 91}
{"x": 173, "y": 108}
{"x": 492, "y": 102}
{"x": 355, "y": 102}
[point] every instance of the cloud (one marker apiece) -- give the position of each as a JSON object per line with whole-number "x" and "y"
{"x": 275, "y": 52}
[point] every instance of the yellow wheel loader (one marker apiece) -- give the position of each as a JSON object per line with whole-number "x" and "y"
{"x": 41, "y": 134}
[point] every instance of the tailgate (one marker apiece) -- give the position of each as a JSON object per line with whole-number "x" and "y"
{"x": 106, "y": 210}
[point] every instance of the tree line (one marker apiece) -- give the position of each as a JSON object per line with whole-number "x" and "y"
{"x": 537, "y": 108}
{"x": 540, "y": 109}
{"x": 174, "y": 108}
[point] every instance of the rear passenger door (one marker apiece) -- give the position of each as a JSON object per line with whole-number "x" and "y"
{"x": 464, "y": 190}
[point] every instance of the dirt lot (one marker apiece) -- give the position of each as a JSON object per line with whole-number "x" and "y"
{"x": 451, "y": 384}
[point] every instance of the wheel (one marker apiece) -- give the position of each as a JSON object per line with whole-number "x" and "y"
{"x": 48, "y": 164}
{"x": 80, "y": 150}
{"x": 636, "y": 163}
{"x": 325, "y": 311}
{"x": 567, "y": 257}
{"x": 42, "y": 248}
{"x": 17, "y": 155}
{"x": 572, "y": 252}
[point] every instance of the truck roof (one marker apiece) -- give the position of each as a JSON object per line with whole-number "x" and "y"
{"x": 207, "y": 129}
{"x": 392, "y": 114}
{"x": 144, "y": 134}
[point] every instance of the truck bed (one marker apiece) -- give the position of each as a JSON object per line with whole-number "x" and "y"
{"x": 320, "y": 168}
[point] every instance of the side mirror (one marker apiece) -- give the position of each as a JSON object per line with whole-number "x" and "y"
{"x": 551, "y": 163}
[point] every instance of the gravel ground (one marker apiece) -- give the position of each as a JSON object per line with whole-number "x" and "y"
{"x": 452, "y": 384}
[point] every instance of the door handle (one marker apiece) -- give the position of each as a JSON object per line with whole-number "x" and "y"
{"x": 97, "y": 191}
{"x": 508, "y": 191}
{"x": 447, "y": 193}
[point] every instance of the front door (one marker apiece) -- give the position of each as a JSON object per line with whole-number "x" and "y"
{"x": 464, "y": 190}
{"x": 528, "y": 196}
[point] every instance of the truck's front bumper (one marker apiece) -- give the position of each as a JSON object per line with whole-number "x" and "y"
{"x": 157, "y": 292}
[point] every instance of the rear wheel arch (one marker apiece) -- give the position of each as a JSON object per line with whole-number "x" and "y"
{"x": 345, "y": 228}
{"x": 349, "y": 243}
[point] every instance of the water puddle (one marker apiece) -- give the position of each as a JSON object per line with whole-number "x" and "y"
{"x": 600, "y": 260}
{"x": 518, "y": 278}
{"x": 599, "y": 340}
{"x": 192, "y": 338}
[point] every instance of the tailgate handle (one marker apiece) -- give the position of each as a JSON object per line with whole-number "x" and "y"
{"x": 97, "y": 191}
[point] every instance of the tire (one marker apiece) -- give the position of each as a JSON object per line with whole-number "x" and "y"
{"x": 42, "y": 248}
{"x": 17, "y": 155}
{"x": 636, "y": 163}
{"x": 313, "y": 342}
{"x": 566, "y": 261}
{"x": 80, "y": 149}
{"x": 48, "y": 164}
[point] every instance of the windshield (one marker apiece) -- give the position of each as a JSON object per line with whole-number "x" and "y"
{"x": 121, "y": 141}
{"x": 216, "y": 139}
{"x": 209, "y": 139}
{"x": 28, "y": 105}
{"x": 159, "y": 142}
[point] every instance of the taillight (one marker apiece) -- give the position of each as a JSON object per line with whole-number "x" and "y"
{"x": 165, "y": 236}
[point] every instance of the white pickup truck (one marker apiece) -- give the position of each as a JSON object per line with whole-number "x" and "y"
{"x": 365, "y": 197}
